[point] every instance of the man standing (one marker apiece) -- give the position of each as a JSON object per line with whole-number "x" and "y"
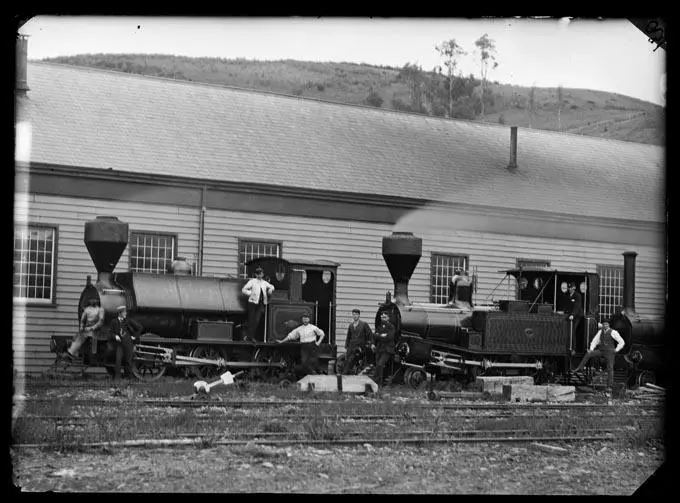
{"x": 607, "y": 342}
{"x": 123, "y": 333}
{"x": 258, "y": 291}
{"x": 359, "y": 337}
{"x": 90, "y": 322}
{"x": 307, "y": 335}
{"x": 574, "y": 308}
{"x": 383, "y": 346}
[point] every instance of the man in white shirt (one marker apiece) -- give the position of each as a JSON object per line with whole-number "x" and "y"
{"x": 607, "y": 342}
{"x": 307, "y": 335}
{"x": 258, "y": 290}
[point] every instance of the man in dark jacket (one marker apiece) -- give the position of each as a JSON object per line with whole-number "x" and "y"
{"x": 359, "y": 337}
{"x": 123, "y": 333}
{"x": 383, "y": 346}
{"x": 574, "y": 308}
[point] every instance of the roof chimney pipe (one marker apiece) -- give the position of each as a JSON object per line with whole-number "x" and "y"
{"x": 513, "y": 148}
{"x": 22, "y": 65}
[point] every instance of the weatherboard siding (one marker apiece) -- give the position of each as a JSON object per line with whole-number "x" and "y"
{"x": 363, "y": 278}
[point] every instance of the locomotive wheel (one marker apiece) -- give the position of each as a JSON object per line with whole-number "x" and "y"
{"x": 146, "y": 371}
{"x": 414, "y": 377}
{"x": 271, "y": 357}
{"x": 209, "y": 353}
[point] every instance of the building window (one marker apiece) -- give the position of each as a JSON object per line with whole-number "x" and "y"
{"x": 152, "y": 251}
{"x": 611, "y": 289}
{"x": 248, "y": 250}
{"x": 442, "y": 268}
{"x": 34, "y": 261}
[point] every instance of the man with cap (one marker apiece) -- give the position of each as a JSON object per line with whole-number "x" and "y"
{"x": 607, "y": 342}
{"x": 258, "y": 290}
{"x": 359, "y": 336}
{"x": 383, "y": 346}
{"x": 574, "y": 307}
{"x": 123, "y": 333}
{"x": 307, "y": 335}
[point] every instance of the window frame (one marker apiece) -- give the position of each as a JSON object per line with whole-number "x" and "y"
{"x": 34, "y": 302}
{"x": 175, "y": 246}
{"x": 600, "y": 269}
{"x": 240, "y": 256}
{"x": 432, "y": 285}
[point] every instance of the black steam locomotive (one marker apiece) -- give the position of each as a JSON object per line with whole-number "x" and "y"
{"x": 527, "y": 336}
{"x": 198, "y": 323}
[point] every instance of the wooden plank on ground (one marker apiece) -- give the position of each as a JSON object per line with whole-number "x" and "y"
{"x": 525, "y": 393}
{"x": 343, "y": 383}
{"x": 494, "y": 384}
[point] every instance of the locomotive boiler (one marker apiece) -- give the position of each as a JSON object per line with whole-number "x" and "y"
{"x": 530, "y": 335}
{"x": 197, "y": 322}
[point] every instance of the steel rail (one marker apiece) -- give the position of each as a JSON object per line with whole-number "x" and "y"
{"x": 115, "y": 402}
{"x": 331, "y": 442}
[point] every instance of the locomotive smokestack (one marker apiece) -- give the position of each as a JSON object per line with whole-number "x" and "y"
{"x": 105, "y": 238}
{"x": 629, "y": 282}
{"x": 401, "y": 251}
{"x": 22, "y": 65}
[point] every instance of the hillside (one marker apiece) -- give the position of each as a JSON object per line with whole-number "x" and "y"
{"x": 582, "y": 111}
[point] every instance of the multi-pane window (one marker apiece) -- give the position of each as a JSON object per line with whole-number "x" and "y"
{"x": 442, "y": 268}
{"x": 34, "y": 257}
{"x": 248, "y": 250}
{"x": 151, "y": 251}
{"x": 611, "y": 289}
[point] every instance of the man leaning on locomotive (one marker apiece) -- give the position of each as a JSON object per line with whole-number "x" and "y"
{"x": 607, "y": 342}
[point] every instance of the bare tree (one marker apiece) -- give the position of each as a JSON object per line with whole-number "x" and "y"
{"x": 486, "y": 48}
{"x": 413, "y": 76}
{"x": 450, "y": 51}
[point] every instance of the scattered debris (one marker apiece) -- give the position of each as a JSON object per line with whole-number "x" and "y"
{"x": 553, "y": 449}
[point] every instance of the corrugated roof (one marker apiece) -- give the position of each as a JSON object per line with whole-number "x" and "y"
{"x": 104, "y": 119}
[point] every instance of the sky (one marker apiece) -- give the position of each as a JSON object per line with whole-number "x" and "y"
{"x": 608, "y": 55}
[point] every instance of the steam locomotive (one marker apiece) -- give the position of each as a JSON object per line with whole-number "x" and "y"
{"x": 198, "y": 323}
{"x": 527, "y": 336}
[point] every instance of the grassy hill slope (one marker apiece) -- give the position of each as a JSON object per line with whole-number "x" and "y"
{"x": 583, "y": 111}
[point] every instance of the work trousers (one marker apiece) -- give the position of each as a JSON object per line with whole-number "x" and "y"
{"x": 609, "y": 356}
{"x": 255, "y": 312}
{"x": 309, "y": 358}
{"x": 351, "y": 358}
{"x": 122, "y": 353}
{"x": 80, "y": 339}
{"x": 381, "y": 359}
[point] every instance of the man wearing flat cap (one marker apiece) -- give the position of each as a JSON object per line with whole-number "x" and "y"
{"x": 123, "y": 332}
{"x": 258, "y": 291}
{"x": 309, "y": 343}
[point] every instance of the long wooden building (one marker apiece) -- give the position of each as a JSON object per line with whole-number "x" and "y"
{"x": 220, "y": 175}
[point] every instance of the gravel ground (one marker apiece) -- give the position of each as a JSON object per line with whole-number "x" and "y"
{"x": 583, "y": 469}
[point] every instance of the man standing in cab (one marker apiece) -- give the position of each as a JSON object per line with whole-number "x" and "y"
{"x": 258, "y": 291}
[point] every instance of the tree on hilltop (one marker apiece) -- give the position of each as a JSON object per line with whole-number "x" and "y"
{"x": 450, "y": 51}
{"x": 486, "y": 48}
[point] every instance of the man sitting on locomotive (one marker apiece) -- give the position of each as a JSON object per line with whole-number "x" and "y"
{"x": 90, "y": 322}
{"x": 257, "y": 289}
{"x": 383, "y": 346}
{"x": 607, "y": 342}
{"x": 307, "y": 334}
{"x": 359, "y": 337}
{"x": 123, "y": 333}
